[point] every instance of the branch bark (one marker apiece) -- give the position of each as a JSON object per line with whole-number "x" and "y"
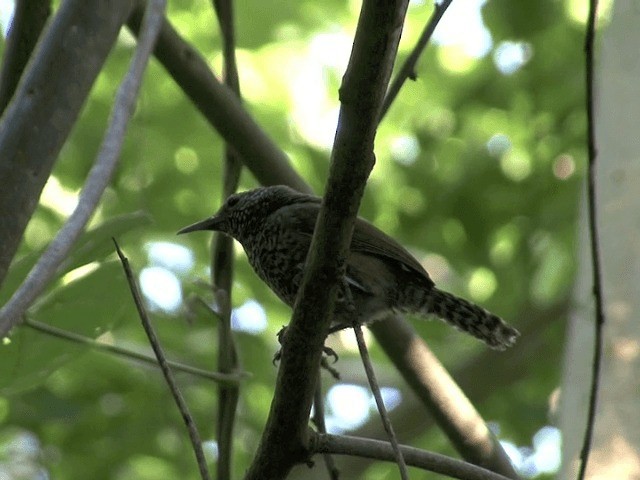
{"x": 366, "y": 447}
{"x": 28, "y": 21}
{"x": 221, "y": 107}
{"x": 285, "y": 440}
{"x": 46, "y": 104}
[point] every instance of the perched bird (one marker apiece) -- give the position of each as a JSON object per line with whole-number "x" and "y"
{"x": 275, "y": 225}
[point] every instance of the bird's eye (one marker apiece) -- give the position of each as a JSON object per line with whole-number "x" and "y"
{"x": 232, "y": 201}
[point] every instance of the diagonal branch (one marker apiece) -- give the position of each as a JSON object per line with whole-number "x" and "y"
{"x": 194, "y": 435}
{"x": 221, "y": 107}
{"x": 45, "y": 106}
{"x": 408, "y": 69}
{"x": 97, "y": 180}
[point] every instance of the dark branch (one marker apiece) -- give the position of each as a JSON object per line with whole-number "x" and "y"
{"x": 285, "y": 438}
{"x": 97, "y": 181}
{"x": 375, "y": 389}
{"x": 408, "y": 69}
{"x": 194, "y": 435}
{"x": 28, "y": 21}
{"x": 222, "y": 261}
{"x": 221, "y": 107}
{"x": 593, "y": 232}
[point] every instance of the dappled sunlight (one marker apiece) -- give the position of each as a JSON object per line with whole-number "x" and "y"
{"x": 509, "y": 57}
{"x": 463, "y": 27}
{"x": 58, "y": 198}
{"x": 170, "y": 255}
{"x": 351, "y": 406}
{"x": 161, "y": 288}
{"x": 564, "y": 166}
{"x": 250, "y": 317}
{"x": 38, "y": 233}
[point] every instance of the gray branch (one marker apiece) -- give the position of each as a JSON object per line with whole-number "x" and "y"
{"x": 97, "y": 180}
{"x": 45, "y": 106}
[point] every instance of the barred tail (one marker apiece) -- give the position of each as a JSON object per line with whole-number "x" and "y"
{"x": 469, "y": 318}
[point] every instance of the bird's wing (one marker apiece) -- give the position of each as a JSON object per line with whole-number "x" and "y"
{"x": 366, "y": 237}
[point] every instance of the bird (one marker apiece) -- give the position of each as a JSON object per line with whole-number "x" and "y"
{"x": 275, "y": 224}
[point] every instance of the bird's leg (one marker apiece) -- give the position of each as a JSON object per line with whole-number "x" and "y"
{"x": 324, "y": 362}
{"x": 280, "y": 336}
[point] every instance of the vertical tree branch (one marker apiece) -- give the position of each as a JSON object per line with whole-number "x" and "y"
{"x": 46, "y": 104}
{"x": 593, "y": 232}
{"x": 285, "y": 440}
{"x": 222, "y": 260}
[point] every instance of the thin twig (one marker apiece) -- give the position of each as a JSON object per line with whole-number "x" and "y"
{"x": 194, "y": 436}
{"x": 379, "y": 450}
{"x": 318, "y": 420}
{"x": 226, "y": 378}
{"x": 222, "y": 260}
{"x": 45, "y": 269}
{"x": 408, "y": 69}
{"x": 594, "y": 236}
{"x": 375, "y": 388}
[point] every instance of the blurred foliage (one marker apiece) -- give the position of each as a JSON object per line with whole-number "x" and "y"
{"x": 478, "y": 173}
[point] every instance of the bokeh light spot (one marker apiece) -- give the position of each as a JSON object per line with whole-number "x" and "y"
{"x": 516, "y": 164}
{"x": 161, "y": 288}
{"x": 250, "y": 317}
{"x": 482, "y": 283}
{"x": 186, "y": 159}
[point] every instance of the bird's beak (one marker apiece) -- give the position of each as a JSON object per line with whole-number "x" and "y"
{"x": 212, "y": 223}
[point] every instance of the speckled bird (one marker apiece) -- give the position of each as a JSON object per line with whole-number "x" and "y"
{"x": 275, "y": 225}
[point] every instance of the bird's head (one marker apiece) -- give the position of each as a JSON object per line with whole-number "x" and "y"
{"x": 242, "y": 214}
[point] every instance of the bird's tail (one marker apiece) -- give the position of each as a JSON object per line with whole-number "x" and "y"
{"x": 469, "y": 318}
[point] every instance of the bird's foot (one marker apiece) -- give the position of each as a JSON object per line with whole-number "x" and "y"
{"x": 327, "y": 353}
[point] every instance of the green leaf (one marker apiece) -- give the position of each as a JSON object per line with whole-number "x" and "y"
{"x": 90, "y": 305}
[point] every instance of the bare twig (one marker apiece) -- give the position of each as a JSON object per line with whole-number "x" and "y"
{"x": 593, "y": 231}
{"x": 45, "y": 107}
{"x": 375, "y": 388}
{"x": 194, "y": 436}
{"x": 318, "y": 420}
{"x": 408, "y": 69}
{"x": 227, "y": 378}
{"x": 97, "y": 180}
{"x": 378, "y": 450}
{"x": 222, "y": 260}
